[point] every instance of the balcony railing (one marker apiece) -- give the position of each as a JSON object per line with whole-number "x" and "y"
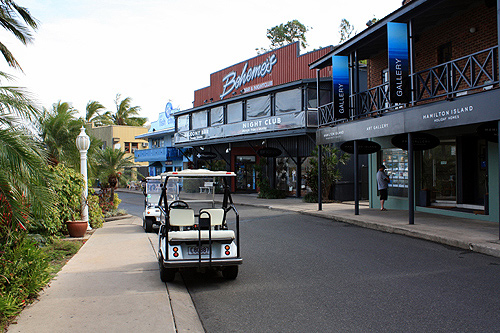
{"x": 476, "y": 71}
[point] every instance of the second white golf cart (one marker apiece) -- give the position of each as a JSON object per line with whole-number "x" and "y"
{"x": 194, "y": 232}
{"x": 152, "y": 192}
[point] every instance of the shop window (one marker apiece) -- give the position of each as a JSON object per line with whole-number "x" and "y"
{"x": 183, "y": 123}
{"x": 234, "y": 112}
{"x": 312, "y": 99}
{"x": 246, "y": 175}
{"x": 396, "y": 162}
{"x": 288, "y": 101}
{"x": 286, "y": 175}
{"x": 259, "y": 107}
{"x": 199, "y": 119}
{"x": 444, "y": 53}
{"x": 439, "y": 171}
{"x": 127, "y": 147}
{"x": 217, "y": 116}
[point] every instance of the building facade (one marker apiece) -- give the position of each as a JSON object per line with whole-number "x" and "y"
{"x": 123, "y": 138}
{"x": 432, "y": 105}
{"x": 259, "y": 115}
{"x": 161, "y": 156}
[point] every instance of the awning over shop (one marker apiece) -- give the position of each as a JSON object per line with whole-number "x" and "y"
{"x": 156, "y": 164}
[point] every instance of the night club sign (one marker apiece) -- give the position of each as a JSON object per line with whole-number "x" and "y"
{"x": 397, "y": 40}
{"x": 267, "y": 124}
{"x": 233, "y": 81}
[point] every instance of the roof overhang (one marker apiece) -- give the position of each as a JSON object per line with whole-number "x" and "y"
{"x": 373, "y": 40}
{"x": 150, "y": 135}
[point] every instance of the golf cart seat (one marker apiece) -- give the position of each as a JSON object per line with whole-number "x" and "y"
{"x": 192, "y": 235}
{"x": 186, "y": 219}
{"x": 181, "y": 217}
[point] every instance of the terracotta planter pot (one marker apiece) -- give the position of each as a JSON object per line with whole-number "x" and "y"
{"x": 76, "y": 228}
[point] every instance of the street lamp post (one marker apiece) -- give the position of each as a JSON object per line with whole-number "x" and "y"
{"x": 83, "y": 144}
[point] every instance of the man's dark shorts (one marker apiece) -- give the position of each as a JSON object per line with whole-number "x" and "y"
{"x": 383, "y": 194}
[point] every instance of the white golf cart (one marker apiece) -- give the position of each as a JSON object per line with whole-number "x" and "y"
{"x": 152, "y": 192}
{"x": 194, "y": 232}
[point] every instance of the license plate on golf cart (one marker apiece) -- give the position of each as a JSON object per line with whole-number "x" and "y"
{"x": 195, "y": 250}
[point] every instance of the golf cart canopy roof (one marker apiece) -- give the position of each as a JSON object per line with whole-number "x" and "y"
{"x": 198, "y": 173}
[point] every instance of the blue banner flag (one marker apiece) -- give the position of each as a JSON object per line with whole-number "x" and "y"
{"x": 340, "y": 75}
{"x": 397, "y": 40}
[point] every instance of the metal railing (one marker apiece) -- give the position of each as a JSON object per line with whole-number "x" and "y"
{"x": 447, "y": 80}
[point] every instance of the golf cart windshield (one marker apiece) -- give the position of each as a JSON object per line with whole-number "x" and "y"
{"x": 197, "y": 187}
{"x": 152, "y": 190}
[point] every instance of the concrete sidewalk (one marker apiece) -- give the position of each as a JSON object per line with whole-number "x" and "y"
{"x": 112, "y": 285}
{"x": 475, "y": 235}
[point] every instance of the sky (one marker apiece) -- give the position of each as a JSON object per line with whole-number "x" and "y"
{"x": 156, "y": 51}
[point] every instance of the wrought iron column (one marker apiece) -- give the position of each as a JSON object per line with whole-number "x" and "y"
{"x": 320, "y": 199}
{"x": 411, "y": 179}
{"x": 356, "y": 183}
{"x": 356, "y": 106}
{"x": 412, "y": 63}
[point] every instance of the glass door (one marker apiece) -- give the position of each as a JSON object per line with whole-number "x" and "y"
{"x": 439, "y": 172}
{"x": 245, "y": 173}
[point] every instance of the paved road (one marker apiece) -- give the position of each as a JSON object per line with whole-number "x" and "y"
{"x": 308, "y": 274}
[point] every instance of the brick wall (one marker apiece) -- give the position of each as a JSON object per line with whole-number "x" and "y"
{"x": 455, "y": 30}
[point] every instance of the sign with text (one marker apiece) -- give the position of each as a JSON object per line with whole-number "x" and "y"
{"x": 256, "y": 126}
{"x": 340, "y": 76}
{"x": 397, "y": 40}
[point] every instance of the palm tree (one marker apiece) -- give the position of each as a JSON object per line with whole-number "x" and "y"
{"x": 58, "y": 129}
{"x": 18, "y": 21}
{"x": 111, "y": 164}
{"x": 24, "y": 191}
{"x": 92, "y": 112}
{"x": 24, "y": 177}
{"x": 125, "y": 113}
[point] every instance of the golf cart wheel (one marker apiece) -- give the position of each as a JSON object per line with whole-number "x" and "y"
{"x": 230, "y": 272}
{"x": 166, "y": 274}
{"x": 148, "y": 224}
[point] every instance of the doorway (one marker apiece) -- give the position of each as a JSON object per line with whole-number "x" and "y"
{"x": 246, "y": 178}
{"x": 439, "y": 173}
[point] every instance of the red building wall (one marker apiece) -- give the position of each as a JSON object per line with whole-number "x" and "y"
{"x": 289, "y": 66}
{"x": 455, "y": 30}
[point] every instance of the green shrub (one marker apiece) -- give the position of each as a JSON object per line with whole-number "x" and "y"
{"x": 23, "y": 272}
{"x": 311, "y": 197}
{"x": 266, "y": 192}
{"x": 67, "y": 186}
{"x": 96, "y": 216}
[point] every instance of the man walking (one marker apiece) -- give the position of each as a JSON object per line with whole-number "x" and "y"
{"x": 382, "y": 185}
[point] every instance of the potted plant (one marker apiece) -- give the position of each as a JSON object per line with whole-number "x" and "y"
{"x": 76, "y": 226}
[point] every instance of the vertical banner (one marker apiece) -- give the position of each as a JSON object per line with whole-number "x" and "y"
{"x": 340, "y": 75}
{"x": 397, "y": 40}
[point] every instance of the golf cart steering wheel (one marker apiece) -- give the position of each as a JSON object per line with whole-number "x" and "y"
{"x": 178, "y": 204}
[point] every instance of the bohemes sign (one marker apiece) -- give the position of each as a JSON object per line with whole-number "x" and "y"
{"x": 234, "y": 81}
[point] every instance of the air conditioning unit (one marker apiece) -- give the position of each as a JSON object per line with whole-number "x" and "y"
{"x": 134, "y": 149}
{"x": 144, "y": 144}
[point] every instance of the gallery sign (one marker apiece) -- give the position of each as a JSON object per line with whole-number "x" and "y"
{"x": 397, "y": 40}
{"x": 340, "y": 77}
